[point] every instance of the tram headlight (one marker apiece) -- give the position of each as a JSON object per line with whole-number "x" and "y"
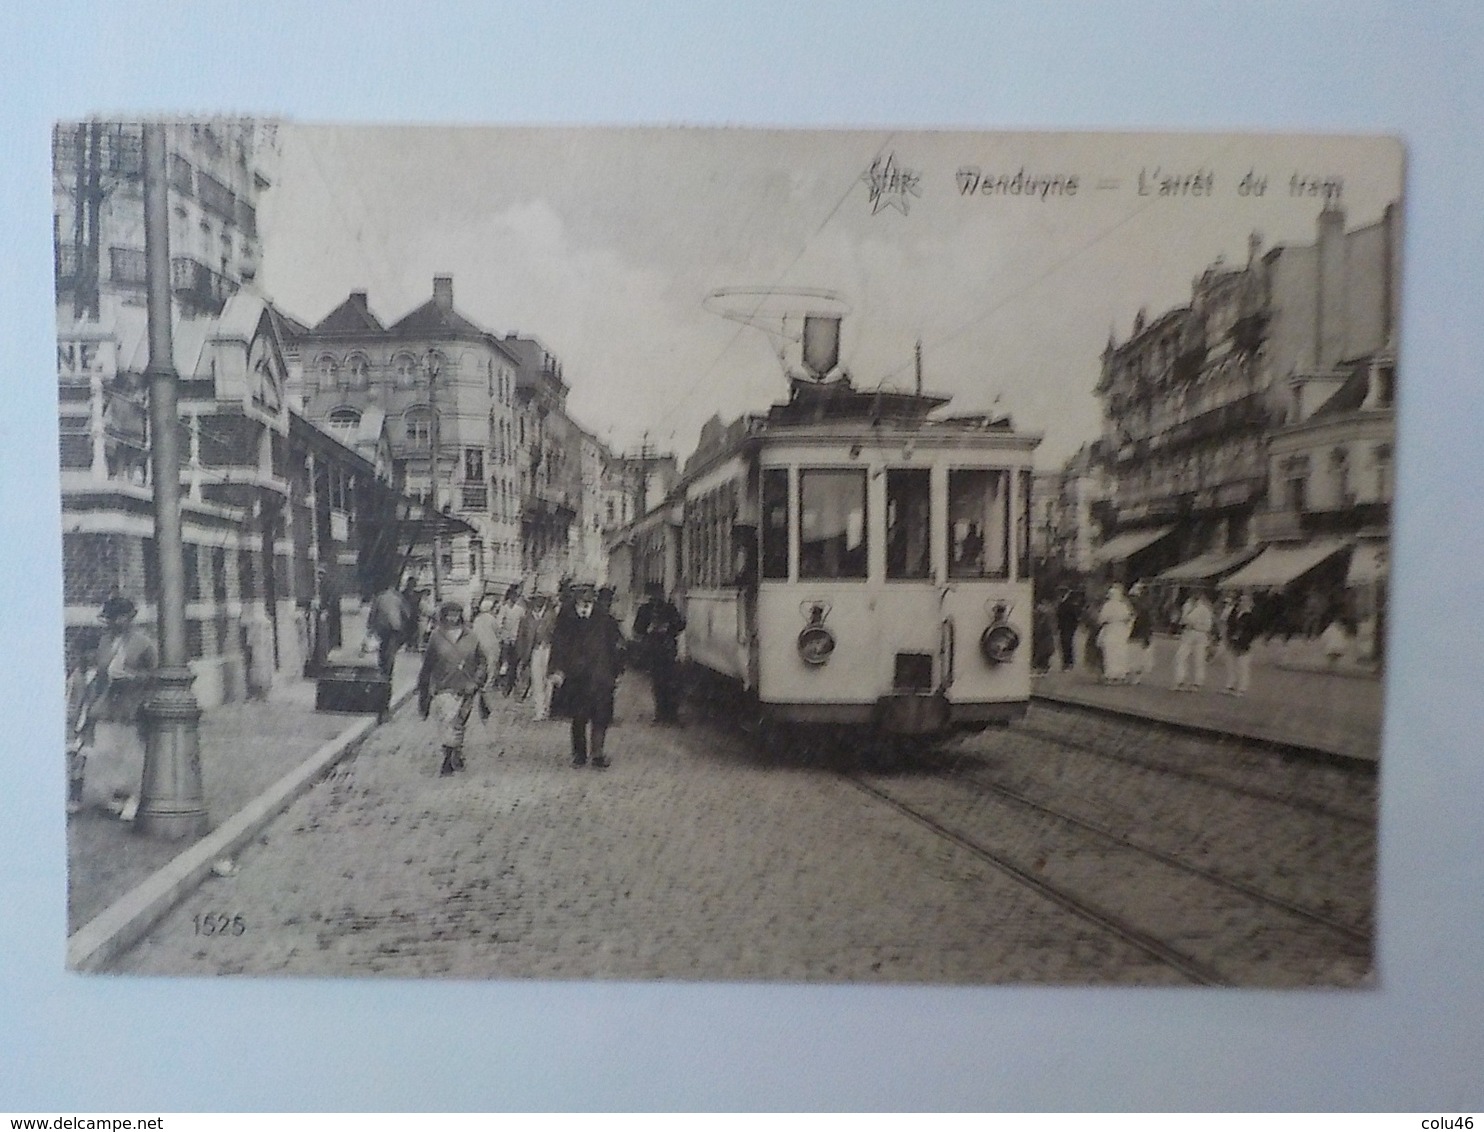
{"x": 816, "y": 643}
{"x": 998, "y": 643}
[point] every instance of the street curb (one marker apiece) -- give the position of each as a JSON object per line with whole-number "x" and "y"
{"x": 124, "y": 922}
{"x": 1205, "y": 731}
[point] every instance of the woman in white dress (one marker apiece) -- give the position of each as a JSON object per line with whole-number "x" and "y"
{"x": 1115, "y": 618}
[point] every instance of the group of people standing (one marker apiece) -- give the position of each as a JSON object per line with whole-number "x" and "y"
{"x": 1120, "y": 635}
{"x": 567, "y": 654}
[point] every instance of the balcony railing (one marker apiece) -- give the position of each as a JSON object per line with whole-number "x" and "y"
{"x": 216, "y": 196}
{"x": 1275, "y": 526}
{"x": 196, "y": 284}
{"x": 474, "y": 497}
{"x": 127, "y": 266}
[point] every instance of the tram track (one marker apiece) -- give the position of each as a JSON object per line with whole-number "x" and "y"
{"x": 1221, "y": 781}
{"x": 1152, "y": 946}
{"x": 1322, "y": 919}
{"x": 1220, "y": 930}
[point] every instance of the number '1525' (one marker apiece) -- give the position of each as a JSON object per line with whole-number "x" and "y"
{"x": 218, "y": 923}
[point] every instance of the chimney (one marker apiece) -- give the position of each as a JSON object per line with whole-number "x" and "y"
{"x": 358, "y": 297}
{"x": 1329, "y": 297}
{"x": 443, "y": 292}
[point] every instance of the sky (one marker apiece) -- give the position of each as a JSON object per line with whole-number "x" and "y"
{"x": 605, "y": 243}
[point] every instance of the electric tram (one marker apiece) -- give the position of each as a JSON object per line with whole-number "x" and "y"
{"x": 852, "y": 558}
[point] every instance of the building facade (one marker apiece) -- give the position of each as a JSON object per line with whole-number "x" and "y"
{"x": 1068, "y": 510}
{"x": 284, "y": 526}
{"x": 511, "y": 463}
{"x": 432, "y": 374}
{"x": 1194, "y": 397}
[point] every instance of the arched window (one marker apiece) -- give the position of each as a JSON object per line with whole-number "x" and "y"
{"x": 405, "y": 368}
{"x": 344, "y": 420}
{"x": 328, "y": 370}
{"x": 358, "y": 371}
{"x": 418, "y": 422}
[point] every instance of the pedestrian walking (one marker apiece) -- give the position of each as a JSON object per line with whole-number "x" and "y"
{"x": 1140, "y": 634}
{"x": 123, "y": 674}
{"x": 485, "y": 626}
{"x": 1068, "y": 617}
{"x": 1241, "y": 632}
{"x": 453, "y": 672}
{"x": 657, "y": 628}
{"x": 507, "y": 625}
{"x": 1196, "y": 622}
{"x": 1043, "y": 635}
{"x": 387, "y": 622}
{"x": 586, "y": 657}
{"x": 545, "y": 615}
{"x": 1335, "y": 641}
{"x": 1114, "y": 619}
{"x": 525, "y": 643}
{"x": 412, "y": 616}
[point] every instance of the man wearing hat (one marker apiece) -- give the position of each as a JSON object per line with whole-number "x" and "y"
{"x": 586, "y": 656}
{"x": 453, "y": 672}
{"x": 657, "y": 627}
{"x": 113, "y": 708}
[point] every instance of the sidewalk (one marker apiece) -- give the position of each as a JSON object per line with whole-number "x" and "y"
{"x": 245, "y": 747}
{"x": 1335, "y": 712}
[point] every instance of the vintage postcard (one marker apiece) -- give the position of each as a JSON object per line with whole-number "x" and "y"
{"x": 725, "y": 554}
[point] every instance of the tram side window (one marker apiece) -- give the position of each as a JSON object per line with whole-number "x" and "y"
{"x": 832, "y": 523}
{"x": 775, "y": 523}
{"x": 1023, "y": 527}
{"x": 908, "y": 523}
{"x": 978, "y": 523}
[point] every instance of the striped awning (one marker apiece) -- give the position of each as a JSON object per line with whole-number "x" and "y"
{"x": 1282, "y": 564}
{"x": 1211, "y": 565}
{"x": 1121, "y": 547}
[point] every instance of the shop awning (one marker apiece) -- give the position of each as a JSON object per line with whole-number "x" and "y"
{"x": 425, "y": 524}
{"x": 1281, "y": 565}
{"x": 1119, "y": 548}
{"x": 1209, "y": 566}
{"x": 1368, "y": 565}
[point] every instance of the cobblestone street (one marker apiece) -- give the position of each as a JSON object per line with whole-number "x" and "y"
{"x": 686, "y": 860}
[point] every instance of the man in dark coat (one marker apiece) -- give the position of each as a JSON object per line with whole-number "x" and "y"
{"x": 657, "y": 626}
{"x": 1068, "y": 617}
{"x": 586, "y": 657}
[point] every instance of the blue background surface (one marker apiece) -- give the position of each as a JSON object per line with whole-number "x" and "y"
{"x": 79, "y": 1044}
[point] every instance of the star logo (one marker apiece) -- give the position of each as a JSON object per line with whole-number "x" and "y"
{"x": 891, "y": 184}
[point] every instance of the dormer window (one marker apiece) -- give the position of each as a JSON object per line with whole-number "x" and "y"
{"x": 404, "y": 366}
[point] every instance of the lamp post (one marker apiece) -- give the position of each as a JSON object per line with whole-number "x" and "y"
{"x": 171, "y": 802}
{"x": 435, "y": 441}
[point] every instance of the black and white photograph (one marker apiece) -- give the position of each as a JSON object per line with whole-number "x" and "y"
{"x": 725, "y": 555}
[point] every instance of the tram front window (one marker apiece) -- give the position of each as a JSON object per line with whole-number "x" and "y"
{"x": 832, "y": 523}
{"x": 775, "y": 523}
{"x": 978, "y": 523}
{"x": 908, "y": 523}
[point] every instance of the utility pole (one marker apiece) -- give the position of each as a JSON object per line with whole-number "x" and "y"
{"x": 171, "y": 802}
{"x": 435, "y": 441}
